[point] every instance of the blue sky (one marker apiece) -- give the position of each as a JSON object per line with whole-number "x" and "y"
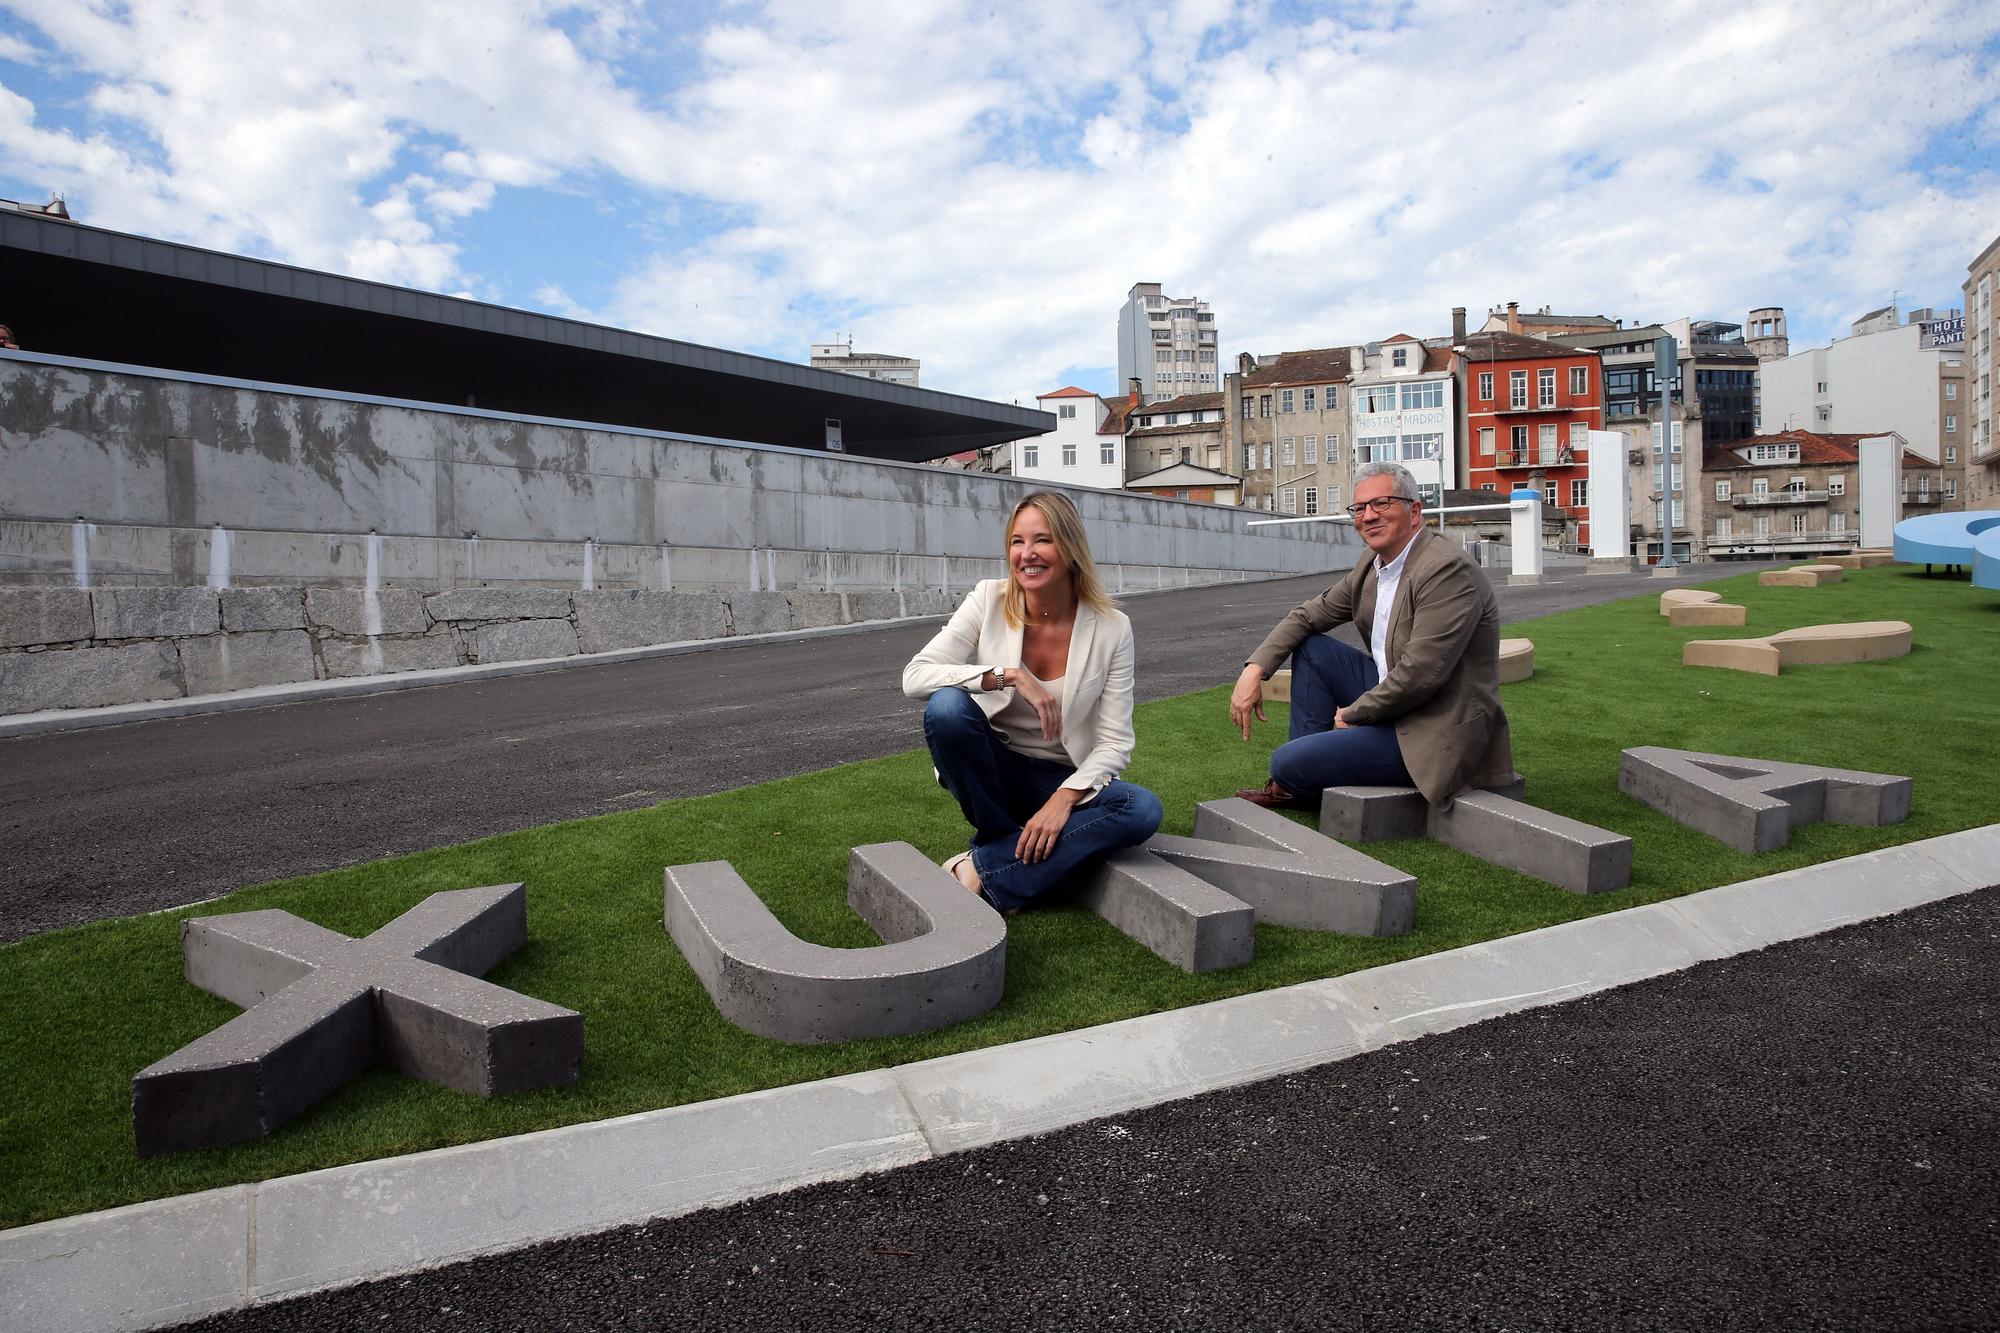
{"x": 979, "y": 185}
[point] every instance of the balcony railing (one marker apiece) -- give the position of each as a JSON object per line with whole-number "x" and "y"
{"x": 1815, "y": 538}
{"x": 1562, "y": 456}
{"x": 1914, "y": 498}
{"x": 1502, "y": 409}
{"x": 1753, "y": 499}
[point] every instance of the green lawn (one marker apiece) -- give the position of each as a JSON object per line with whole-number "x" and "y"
{"x": 89, "y": 1007}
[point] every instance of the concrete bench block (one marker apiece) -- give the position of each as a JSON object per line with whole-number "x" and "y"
{"x": 1383, "y": 814}
{"x": 359, "y": 613}
{"x": 1753, "y": 804}
{"x": 249, "y": 610}
{"x": 759, "y": 612}
{"x": 633, "y": 618}
{"x": 88, "y": 677}
{"x": 1808, "y": 645}
{"x": 862, "y": 606}
{"x": 154, "y": 613}
{"x": 1674, "y": 597}
{"x": 1861, "y": 559}
{"x": 1278, "y": 689}
{"x": 1291, "y": 875}
{"x": 1178, "y": 916}
{"x": 521, "y": 603}
{"x": 221, "y": 662}
{"x": 1568, "y": 853}
{"x": 943, "y": 960}
{"x": 382, "y": 657}
{"x": 33, "y": 616}
{"x": 524, "y": 640}
{"x": 816, "y": 610}
{"x": 1709, "y": 613}
{"x": 320, "y": 1007}
{"x": 1517, "y": 660}
{"x": 1801, "y": 576}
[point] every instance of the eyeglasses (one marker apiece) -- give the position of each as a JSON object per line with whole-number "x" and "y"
{"x": 1380, "y": 504}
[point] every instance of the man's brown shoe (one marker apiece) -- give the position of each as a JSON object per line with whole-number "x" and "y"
{"x": 1273, "y": 797}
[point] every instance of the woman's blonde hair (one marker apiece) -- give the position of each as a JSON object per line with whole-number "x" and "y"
{"x": 1066, "y": 526}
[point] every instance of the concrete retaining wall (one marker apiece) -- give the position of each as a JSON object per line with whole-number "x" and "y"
{"x": 292, "y": 534}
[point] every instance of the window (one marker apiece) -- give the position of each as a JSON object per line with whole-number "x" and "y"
{"x": 1680, "y": 518}
{"x": 1519, "y": 435}
{"x": 1951, "y": 388}
{"x": 1375, "y": 449}
{"x": 1107, "y": 453}
{"x": 1517, "y": 388}
{"x": 1267, "y": 458}
{"x": 1309, "y": 393}
{"x": 1069, "y": 455}
{"x": 1290, "y": 452}
{"x": 1763, "y": 526}
{"x": 1798, "y": 522}
{"x": 1030, "y": 455}
{"x": 1312, "y": 499}
{"x": 1311, "y": 445}
{"x": 1422, "y": 446}
{"x": 1485, "y": 386}
{"x": 1288, "y": 500}
{"x": 1836, "y": 523}
{"x": 1067, "y": 411}
{"x": 1759, "y": 487}
{"x": 1485, "y": 440}
{"x": 1579, "y": 494}
{"x": 1722, "y": 527}
{"x": 1678, "y": 429}
{"x": 1180, "y": 495}
{"x": 1579, "y": 381}
{"x": 1722, "y": 490}
{"x": 1428, "y": 394}
{"x": 1332, "y": 397}
{"x": 1284, "y": 400}
{"x": 1263, "y": 404}
{"x": 1545, "y": 387}
{"x": 1163, "y": 354}
{"x": 1487, "y": 486}
{"x": 1837, "y": 484}
{"x": 1951, "y": 423}
{"x": 1549, "y": 494}
{"x": 1579, "y": 435}
{"x": 1249, "y": 409}
{"x": 1951, "y": 488}
{"x": 1548, "y": 441}
{"x": 1400, "y": 357}
{"x": 1378, "y": 398}
{"x": 1951, "y": 453}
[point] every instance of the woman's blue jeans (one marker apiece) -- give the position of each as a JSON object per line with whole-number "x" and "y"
{"x": 1000, "y": 790}
{"x": 1328, "y": 675}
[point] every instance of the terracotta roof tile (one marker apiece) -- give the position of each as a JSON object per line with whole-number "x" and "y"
{"x": 1323, "y": 365}
{"x": 1502, "y": 346}
{"x": 1067, "y": 391}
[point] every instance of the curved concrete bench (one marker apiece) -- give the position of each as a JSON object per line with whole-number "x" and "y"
{"x": 1801, "y": 576}
{"x": 1674, "y": 597}
{"x": 1971, "y": 538}
{"x": 1862, "y": 559}
{"x": 1808, "y": 645}
{"x": 1517, "y": 660}
{"x": 1707, "y": 613}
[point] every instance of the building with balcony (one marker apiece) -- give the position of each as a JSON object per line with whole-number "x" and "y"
{"x": 1793, "y": 494}
{"x": 1403, "y": 408}
{"x": 866, "y": 365}
{"x": 1977, "y": 417}
{"x": 1188, "y": 429}
{"x": 1286, "y": 418}
{"x": 1530, "y": 404}
{"x": 1167, "y": 343}
{"x": 1889, "y": 374}
{"x": 1542, "y": 323}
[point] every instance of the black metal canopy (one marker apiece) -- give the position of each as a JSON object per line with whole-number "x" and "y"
{"x": 73, "y": 290}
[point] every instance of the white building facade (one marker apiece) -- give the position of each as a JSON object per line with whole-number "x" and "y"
{"x": 1074, "y": 453}
{"x": 866, "y": 365}
{"x": 1882, "y": 378}
{"x": 1167, "y": 343}
{"x": 1402, "y": 408}
{"x": 1982, "y": 324}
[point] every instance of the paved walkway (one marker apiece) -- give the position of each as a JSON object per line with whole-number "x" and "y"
{"x": 1797, "y": 1138}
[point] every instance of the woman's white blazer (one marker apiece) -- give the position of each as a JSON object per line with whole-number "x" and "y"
{"x": 1096, "y": 685}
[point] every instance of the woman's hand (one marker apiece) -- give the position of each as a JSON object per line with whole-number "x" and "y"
{"x": 1041, "y": 699}
{"x": 1039, "y": 834}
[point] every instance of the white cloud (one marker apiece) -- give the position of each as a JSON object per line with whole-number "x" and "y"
{"x": 979, "y": 185}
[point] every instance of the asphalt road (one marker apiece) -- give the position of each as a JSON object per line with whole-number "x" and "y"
{"x": 1798, "y": 1138}
{"x": 134, "y": 818}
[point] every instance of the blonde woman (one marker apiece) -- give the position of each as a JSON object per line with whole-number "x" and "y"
{"x": 1029, "y": 713}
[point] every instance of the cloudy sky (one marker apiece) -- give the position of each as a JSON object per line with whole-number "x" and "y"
{"x": 979, "y": 184}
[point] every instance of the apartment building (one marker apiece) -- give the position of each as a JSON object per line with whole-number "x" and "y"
{"x": 1075, "y": 453}
{"x": 1530, "y": 404}
{"x": 1167, "y": 343}
{"x": 1982, "y": 431}
{"x": 1286, "y": 416}
{"x": 1793, "y": 494}
{"x": 866, "y": 365}
{"x": 1888, "y": 374}
{"x": 1188, "y": 429}
{"x": 1403, "y": 408}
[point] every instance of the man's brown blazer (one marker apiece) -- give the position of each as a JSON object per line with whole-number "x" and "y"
{"x": 1442, "y": 692}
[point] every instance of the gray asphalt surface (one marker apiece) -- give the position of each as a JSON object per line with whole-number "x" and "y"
{"x": 1799, "y": 1138}
{"x": 117, "y": 820}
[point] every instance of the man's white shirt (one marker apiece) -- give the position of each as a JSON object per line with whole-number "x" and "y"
{"x": 1387, "y": 577}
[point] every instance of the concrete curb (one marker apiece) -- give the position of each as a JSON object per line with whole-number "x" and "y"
{"x": 177, "y": 1259}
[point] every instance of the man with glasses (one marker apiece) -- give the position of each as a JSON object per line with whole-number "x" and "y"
{"x": 1421, "y": 708}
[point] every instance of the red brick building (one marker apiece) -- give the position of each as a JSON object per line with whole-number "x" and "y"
{"x": 1528, "y": 404}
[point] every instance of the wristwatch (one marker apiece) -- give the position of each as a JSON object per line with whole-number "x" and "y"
{"x": 999, "y": 678}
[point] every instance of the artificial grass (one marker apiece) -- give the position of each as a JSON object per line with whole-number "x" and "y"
{"x": 89, "y": 1007}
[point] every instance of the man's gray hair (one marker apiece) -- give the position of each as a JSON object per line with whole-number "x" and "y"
{"x": 1406, "y": 484}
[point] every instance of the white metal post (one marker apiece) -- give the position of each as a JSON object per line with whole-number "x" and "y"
{"x": 1610, "y": 506}
{"x": 1526, "y": 504}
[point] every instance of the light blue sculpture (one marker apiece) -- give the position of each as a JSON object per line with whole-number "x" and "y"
{"x": 1971, "y": 538}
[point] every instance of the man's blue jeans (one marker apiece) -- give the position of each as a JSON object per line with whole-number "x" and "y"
{"x": 1328, "y": 675}
{"x": 1000, "y": 790}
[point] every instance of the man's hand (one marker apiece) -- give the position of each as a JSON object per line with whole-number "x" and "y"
{"x": 1340, "y": 721}
{"x": 1247, "y": 699}
{"x": 1039, "y": 834}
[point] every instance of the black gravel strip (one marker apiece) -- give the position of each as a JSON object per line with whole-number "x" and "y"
{"x": 1799, "y": 1138}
